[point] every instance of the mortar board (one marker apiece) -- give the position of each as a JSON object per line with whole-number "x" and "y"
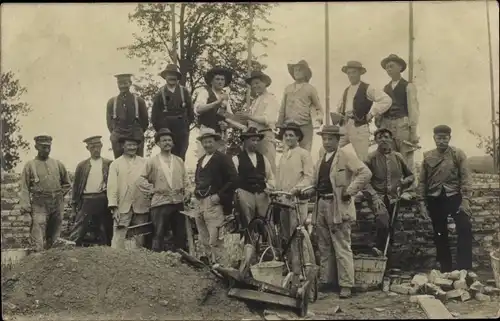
{"x": 442, "y": 129}
{"x": 93, "y": 140}
{"x": 43, "y": 140}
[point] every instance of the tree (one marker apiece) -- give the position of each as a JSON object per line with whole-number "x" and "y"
{"x": 12, "y": 109}
{"x": 486, "y": 142}
{"x": 209, "y": 34}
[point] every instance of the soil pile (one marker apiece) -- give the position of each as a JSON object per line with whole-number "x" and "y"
{"x": 104, "y": 280}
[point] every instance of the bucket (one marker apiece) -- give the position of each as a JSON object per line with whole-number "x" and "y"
{"x": 369, "y": 271}
{"x": 495, "y": 265}
{"x": 268, "y": 272}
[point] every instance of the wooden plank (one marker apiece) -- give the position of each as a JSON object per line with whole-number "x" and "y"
{"x": 190, "y": 238}
{"x": 262, "y": 297}
{"x": 434, "y": 309}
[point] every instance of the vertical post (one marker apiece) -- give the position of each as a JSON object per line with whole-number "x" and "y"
{"x": 492, "y": 92}
{"x": 327, "y": 66}
{"x": 174, "y": 35}
{"x": 249, "y": 48}
{"x": 410, "y": 58}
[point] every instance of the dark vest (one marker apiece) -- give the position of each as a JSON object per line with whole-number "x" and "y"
{"x": 210, "y": 118}
{"x": 399, "y": 107}
{"x": 251, "y": 179}
{"x": 324, "y": 183}
{"x": 173, "y": 104}
{"x": 361, "y": 104}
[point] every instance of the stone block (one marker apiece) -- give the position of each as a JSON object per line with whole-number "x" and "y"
{"x": 491, "y": 290}
{"x": 460, "y": 284}
{"x": 419, "y": 280}
{"x": 458, "y": 294}
{"x": 477, "y": 287}
{"x": 443, "y": 283}
{"x": 482, "y": 297}
{"x": 415, "y": 298}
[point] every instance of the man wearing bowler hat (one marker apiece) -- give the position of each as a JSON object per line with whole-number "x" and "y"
{"x": 44, "y": 182}
{"x": 338, "y": 177}
{"x": 89, "y": 199}
{"x": 212, "y": 98}
{"x": 357, "y": 107}
{"x": 173, "y": 109}
{"x": 300, "y": 103}
{"x": 263, "y": 114}
{"x": 126, "y": 115}
{"x": 402, "y": 117}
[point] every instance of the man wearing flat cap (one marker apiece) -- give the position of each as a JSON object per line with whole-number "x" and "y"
{"x": 212, "y": 99}
{"x": 339, "y": 175}
{"x": 300, "y": 103}
{"x": 263, "y": 114}
{"x": 444, "y": 190}
{"x": 44, "y": 182}
{"x": 126, "y": 115}
{"x": 215, "y": 180}
{"x": 167, "y": 184}
{"x": 389, "y": 172}
{"x": 89, "y": 199}
{"x": 359, "y": 104}
{"x": 173, "y": 109}
{"x": 127, "y": 203}
{"x": 402, "y": 117}
{"x": 255, "y": 175}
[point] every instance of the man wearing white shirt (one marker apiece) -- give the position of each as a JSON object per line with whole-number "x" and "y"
{"x": 210, "y": 100}
{"x": 254, "y": 176}
{"x": 263, "y": 115}
{"x": 402, "y": 116}
{"x": 359, "y": 104}
{"x": 89, "y": 200}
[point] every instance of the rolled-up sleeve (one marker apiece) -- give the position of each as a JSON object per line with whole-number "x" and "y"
{"x": 201, "y": 99}
{"x": 382, "y": 101}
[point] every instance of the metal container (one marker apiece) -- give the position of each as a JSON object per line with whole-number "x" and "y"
{"x": 386, "y": 284}
{"x": 395, "y": 279}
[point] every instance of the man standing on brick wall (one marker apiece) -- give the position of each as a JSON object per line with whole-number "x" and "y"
{"x": 445, "y": 189}
{"x": 126, "y": 115}
{"x": 402, "y": 116}
{"x": 338, "y": 177}
{"x": 89, "y": 200}
{"x": 44, "y": 182}
{"x": 389, "y": 172}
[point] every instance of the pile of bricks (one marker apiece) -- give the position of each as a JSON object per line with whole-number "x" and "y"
{"x": 457, "y": 285}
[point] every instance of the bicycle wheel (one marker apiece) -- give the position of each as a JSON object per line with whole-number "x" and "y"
{"x": 260, "y": 234}
{"x": 311, "y": 266}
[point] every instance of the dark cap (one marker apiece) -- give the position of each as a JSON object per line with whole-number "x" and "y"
{"x": 123, "y": 139}
{"x": 124, "y": 76}
{"x": 381, "y": 131}
{"x": 92, "y": 140}
{"x": 43, "y": 140}
{"x": 442, "y": 129}
{"x": 163, "y": 132}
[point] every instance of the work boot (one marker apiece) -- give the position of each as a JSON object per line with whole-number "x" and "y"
{"x": 345, "y": 293}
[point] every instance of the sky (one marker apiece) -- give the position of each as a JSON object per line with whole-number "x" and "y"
{"x": 66, "y": 56}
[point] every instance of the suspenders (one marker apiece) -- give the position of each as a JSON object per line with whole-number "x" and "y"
{"x": 165, "y": 98}
{"x": 136, "y": 103}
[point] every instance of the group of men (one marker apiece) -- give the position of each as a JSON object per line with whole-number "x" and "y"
{"x": 132, "y": 190}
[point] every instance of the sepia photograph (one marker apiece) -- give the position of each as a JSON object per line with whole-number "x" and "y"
{"x": 250, "y": 160}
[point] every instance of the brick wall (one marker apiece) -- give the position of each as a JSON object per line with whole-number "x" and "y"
{"x": 413, "y": 245}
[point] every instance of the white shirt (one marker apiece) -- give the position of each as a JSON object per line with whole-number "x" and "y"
{"x": 167, "y": 168}
{"x": 267, "y": 106}
{"x": 205, "y": 160}
{"x": 202, "y": 97}
{"x": 328, "y": 156}
{"x": 253, "y": 159}
{"x": 95, "y": 178}
{"x": 382, "y": 102}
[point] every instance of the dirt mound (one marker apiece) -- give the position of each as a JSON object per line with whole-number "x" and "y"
{"x": 103, "y": 280}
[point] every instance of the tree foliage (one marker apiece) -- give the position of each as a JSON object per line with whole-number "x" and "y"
{"x": 207, "y": 34}
{"x": 486, "y": 142}
{"x": 12, "y": 109}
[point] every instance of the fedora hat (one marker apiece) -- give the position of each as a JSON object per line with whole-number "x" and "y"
{"x": 257, "y": 74}
{"x": 208, "y": 132}
{"x": 251, "y": 132}
{"x": 331, "y": 130}
{"x": 354, "y": 64}
{"x": 290, "y": 126}
{"x": 302, "y": 64}
{"x": 170, "y": 69}
{"x": 122, "y": 139}
{"x": 163, "y": 132}
{"x": 228, "y": 74}
{"x": 397, "y": 59}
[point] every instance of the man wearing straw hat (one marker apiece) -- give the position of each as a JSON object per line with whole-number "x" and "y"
{"x": 300, "y": 103}
{"x": 215, "y": 179}
{"x": 173, "y": 109}
{"x": 357, "y": 107}
{"x": 212, "y": 98}
{"x": 402, "y": 116}
{"x": 338, "y": 177}
{"x": 263, "y": 114}
{"x": 126, "y": 115}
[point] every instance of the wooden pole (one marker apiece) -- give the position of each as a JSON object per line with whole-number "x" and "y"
{"x": 174, "y": 35}
{"x": 492, "y": 93}
{"x": 410, "y": 58}
{"x": 249, "y": 48}
{"x": 327, "y": 66}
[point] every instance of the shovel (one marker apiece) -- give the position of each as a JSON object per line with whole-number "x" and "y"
{"x": 189, "y": 230}
{"x": 139, "y": 230}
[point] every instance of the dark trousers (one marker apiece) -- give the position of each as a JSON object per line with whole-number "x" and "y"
{"x": 164, "y": 217}
{"x": 383, "y": 232}
{"x": 439, "y": 209}
{"x": 94, "y": 208}
{"x": 181, "y": 144}
{"x": 118, "y": 149}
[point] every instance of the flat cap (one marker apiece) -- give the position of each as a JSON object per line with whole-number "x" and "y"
{"x": 123, "y": 76}
{"x": 43, "y": 139}
{"x": 92, "y": 140}
{"x": 382, "y": 130}
{"x": 442, "y": 129}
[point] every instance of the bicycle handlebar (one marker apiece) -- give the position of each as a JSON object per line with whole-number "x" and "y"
{"x": 278, "y": 193}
